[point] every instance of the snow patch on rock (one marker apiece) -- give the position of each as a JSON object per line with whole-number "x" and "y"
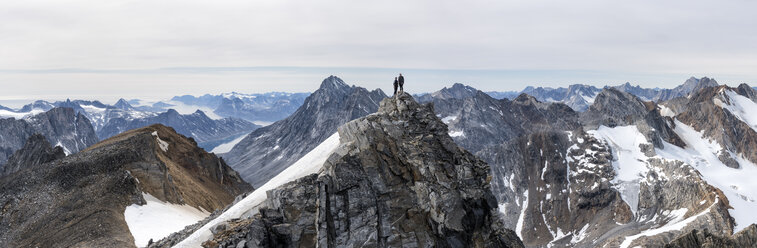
{"x": 157, "y": 219}
{"x": 163, "y": 145}
{"x": 308, "y": 164}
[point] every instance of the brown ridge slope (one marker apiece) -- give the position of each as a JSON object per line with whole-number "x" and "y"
{"x": 79, "y": 201}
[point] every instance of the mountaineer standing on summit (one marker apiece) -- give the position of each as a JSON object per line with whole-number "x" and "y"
{"x": 395, "y": 86}
{"x": 402, "y": 83}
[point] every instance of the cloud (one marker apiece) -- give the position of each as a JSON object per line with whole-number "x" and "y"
{"x": 637, "y": 38}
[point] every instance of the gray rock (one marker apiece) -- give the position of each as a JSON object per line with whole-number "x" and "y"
{"x": 36, "y": 151}
{"x": 397, "y": 180}
{"x": 269, "y": 150}
{"x": 61, "y": 126}
{"x": 79, "y": 200}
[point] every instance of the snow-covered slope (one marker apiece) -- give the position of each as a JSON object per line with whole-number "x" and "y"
{"x": 308, "y": 164}
{"x": 4, "y": 113}
{"x": 629, "y": 162}
{"x": 743, "y": 108}
{"x": 738, "y": 184}
{"x": 158, "y": 219}
{"x": 226, "y": 147}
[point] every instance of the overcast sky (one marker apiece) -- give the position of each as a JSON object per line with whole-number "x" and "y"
{"x": 156, "y": 49}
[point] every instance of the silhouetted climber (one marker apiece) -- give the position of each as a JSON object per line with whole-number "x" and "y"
{"x": 402, "y": 83}
{"x": 395, "y": 86}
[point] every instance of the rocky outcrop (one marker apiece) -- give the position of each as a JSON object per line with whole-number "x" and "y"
{"x": 397, "y": 180}
{"x": 477, "y": 121}
{"x": 269, "y": 150}
{"x": 61, "y": 126}
{"x": 36, "y": 151}
{"x": 79, "y": 200}
{"x": 707, "y": 239}
{"x": 615, "y": 108}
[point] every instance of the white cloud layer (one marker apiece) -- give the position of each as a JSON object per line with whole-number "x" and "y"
{"x": 641, "y": 40}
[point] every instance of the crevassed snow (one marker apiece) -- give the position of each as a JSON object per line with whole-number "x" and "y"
{"x": 743, "y": 108}
{"x": 308, "y": 164}
{"x": 629, "y": 161}
{"x": 163, "y": 145}
{"x": 226, "y": 147}
{"x": 21, "y": 115}
{"x": 158, "y": 219}
{"x": 738, "y": 185}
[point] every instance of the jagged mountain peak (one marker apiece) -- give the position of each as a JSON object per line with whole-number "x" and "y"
{"x": 172, "y": 112}
{"x": 693, "y": 85}
{"x": 200, "y": 113}
{"x": 333, "y": 83}
{"x": 268, "y": 150}
{"x": 402, "y": 154}
{"x": 123, "y": 104}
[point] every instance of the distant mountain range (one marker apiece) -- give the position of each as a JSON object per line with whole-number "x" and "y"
{"x": 259, "y": 108}
{"x": 580, "y": 96}
{"x": 109, "y": 120}
{"x": 617, "y": 166}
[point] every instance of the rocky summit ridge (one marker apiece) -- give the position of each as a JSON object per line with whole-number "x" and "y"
{"x": 267, "y": 151}
{"x": 80, "y": 200}
{"x": 396, "y": 180}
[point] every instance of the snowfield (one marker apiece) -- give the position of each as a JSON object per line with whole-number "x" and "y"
{"x": 8, "y": 114}
{"x": 629, "y": 161}
{"x": 157, "y": 219}
{"x": 743, "y": 108}
{"x": 737, "y": 184}
{"x": 701, "y": 153}
{"x": 226, "y": 147}
{"x": 308, "y": 164}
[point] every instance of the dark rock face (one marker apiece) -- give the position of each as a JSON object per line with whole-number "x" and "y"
{"x": 555, "y": 182}
{"x": 36, "y": 151}
{"x": 61, "y": 126}
{"x": 206, "y": 131}
{"x": 269, "y": 150}
{"x": 706, "y": 239}
{"x": 615, "y": 108}
{"x": 397, "y": 180}
{"x": 704, "y": 114}
{"x": 556, "y": 189}
{"x": 692, "y": 85}
{"x": 477, "y": 121}
{"x": 79, "y": 200}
